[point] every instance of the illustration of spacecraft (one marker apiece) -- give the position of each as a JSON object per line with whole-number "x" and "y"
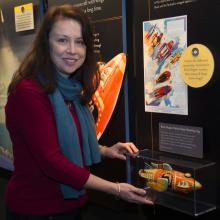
{"x": 163, "y": 77}
{"x": 106, "y": 96}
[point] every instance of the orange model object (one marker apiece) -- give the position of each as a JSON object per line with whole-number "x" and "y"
{"x": 160, "y": 177}
{"x": 106, "y": 95}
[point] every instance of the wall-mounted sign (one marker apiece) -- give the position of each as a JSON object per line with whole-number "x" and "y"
{"x": 196, "y": 65}
{"x": 181, "y": 139}
{"x": 24, "y": 17}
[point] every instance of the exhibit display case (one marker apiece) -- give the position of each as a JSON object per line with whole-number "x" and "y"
{"x": 181, "y": 183}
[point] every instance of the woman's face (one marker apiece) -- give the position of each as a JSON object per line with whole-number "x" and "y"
{"x": 67, "y": 48}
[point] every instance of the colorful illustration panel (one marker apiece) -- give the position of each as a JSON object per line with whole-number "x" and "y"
{"x": 163, "y": 43}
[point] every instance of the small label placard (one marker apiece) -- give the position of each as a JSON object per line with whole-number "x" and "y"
{"x": 24, "y": 17}
{"x": 181, "y": 139}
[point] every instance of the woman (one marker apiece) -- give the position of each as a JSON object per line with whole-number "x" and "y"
{"x": 51, "y": 128}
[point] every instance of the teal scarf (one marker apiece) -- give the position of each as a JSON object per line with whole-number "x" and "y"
{"x": 69, "y": 89}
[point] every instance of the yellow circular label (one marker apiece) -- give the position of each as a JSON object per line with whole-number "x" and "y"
{"x": 196, "y": 65}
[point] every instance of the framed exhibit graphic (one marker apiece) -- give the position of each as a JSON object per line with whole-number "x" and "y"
{"x": 164, "y": 40}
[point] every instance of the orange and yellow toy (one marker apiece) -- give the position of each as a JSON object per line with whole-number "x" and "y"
{"x": 161, "y": 177}
{"x": 105, "y": 97}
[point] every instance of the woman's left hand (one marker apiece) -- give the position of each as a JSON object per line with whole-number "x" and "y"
{"x": 119, "y": 150}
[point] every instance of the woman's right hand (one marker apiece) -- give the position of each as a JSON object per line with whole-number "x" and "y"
{"x": 132, "y": 194}
{"x": 123, "y": 191}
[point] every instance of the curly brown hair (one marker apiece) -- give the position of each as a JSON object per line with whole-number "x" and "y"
{"x": 37, "y": 61}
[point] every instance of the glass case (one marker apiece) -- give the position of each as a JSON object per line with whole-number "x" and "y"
{"x": 184, "y": 184}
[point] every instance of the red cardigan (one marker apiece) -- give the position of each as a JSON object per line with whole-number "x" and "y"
{"x": 40, "y": 166}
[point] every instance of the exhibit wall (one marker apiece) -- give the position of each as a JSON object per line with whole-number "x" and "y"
{"x": 13, "y": 46}
{"x": 160, "y": 33}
